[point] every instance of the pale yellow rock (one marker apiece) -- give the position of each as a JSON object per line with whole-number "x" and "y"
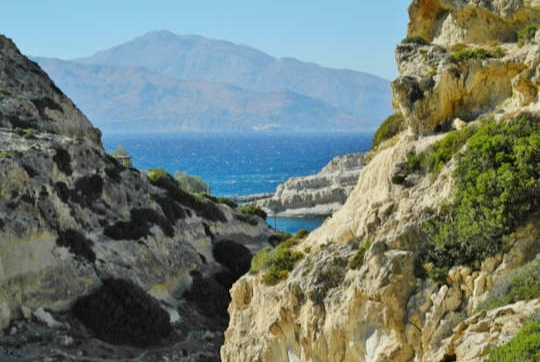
{"x": 381, "y": 311}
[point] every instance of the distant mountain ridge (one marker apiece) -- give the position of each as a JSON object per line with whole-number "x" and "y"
{"x": 163, "y": 81}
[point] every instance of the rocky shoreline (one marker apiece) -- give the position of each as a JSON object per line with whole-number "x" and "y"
{"x": 318, "y": 195}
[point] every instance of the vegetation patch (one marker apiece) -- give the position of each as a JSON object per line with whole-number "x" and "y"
{"x": 497, "y": 187}
{"x": 253, "y": 210}
{"x": 220, "y": 200}
{"x": 203, "y": 208}
{"x": 172, "y": 210}
{"x": 521, "y": 284}
{"x": 444, "y": 149}
{"x": 524, "y": 347}
{"x": 191, "y": 183}
{"x": 63, "y": 161}
{"x": 415, "y": 40}
{"x": 388, "y": 129}
{"x": 358, "y": 259}
{"x": 277, "y": 262}
{"x": 249, "y": 219}
{"x": 469, "y": 54}
{"x": 526, "y": 34}
{"x": 120, "y": 312}
{"x": 279, "y": 237}
{"x": 77, "y": 243}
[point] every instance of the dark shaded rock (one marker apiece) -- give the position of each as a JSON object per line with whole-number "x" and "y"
{"x": 77, "y": 244}
{"x": 63, "y": 161}
{"x": 120, "y": 312}
{"x": 236, "y": 257}
{"x": 88, "y": 189}
{"x": 209, "y": 297}
{"x": 139, "y": 225}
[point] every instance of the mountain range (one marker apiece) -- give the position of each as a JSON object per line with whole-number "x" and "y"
{"x": 165, "y": 82}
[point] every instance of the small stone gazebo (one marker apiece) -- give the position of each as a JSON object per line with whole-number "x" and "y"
{"x": 124, "y": 160}
{"x": 122, "y": 156}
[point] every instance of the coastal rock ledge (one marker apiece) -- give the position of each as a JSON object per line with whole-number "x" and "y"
{"x": 359, "y": 293}
{"x": 316, "y": 195}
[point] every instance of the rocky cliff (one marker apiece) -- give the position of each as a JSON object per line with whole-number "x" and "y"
{"x": 316, "y": 195}
{"x": 360, "y": 292}
{"x": 72, "y": 218}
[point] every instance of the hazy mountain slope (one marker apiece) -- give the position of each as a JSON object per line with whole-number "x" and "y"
{"x": 198, "y": 58}
{"x": 112, "y": 95}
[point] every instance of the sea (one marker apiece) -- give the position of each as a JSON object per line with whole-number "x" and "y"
{"x": 243, "y": 163}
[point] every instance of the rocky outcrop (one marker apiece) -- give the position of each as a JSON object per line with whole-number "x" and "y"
{"x": 316, "y": 195}
{"x": 434, "y": 88}
{"x": 29, "y": 99}
{"x": 71, "y": 216}
{"x": 382, "y": 307}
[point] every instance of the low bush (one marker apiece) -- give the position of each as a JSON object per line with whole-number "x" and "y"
{"x": 468, "y": 54}
{"x": 527, "y": 34}
{"x": 120, "y": 312}
{"x": 253, "y": 210}
{"x": 277, "y": 262}
{"x": 391, "y": 126}
{"x": 415, "y": 40}
{"x": 191, "y": 183}
{"x": 524, "y": 347}
{"x": 497, "y": 187}
{"x": 279, "y": 237}
{"x": 521, "y": 284}
{"x": 444, "y": 149}
{"x": 204, "y": 208}
{"x": 358, "y": 260}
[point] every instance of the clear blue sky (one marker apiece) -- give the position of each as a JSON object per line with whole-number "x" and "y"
{"x": 353, "y": 34}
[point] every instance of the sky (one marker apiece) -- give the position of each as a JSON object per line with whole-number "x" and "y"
{"x": 352, "y": 34}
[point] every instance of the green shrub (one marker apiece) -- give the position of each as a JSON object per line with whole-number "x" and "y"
{"x": 191, "y": 183}
{"x": 415, "y": 40}
{"x": 277, "y": 262}
{"x": 3, "y": 154}
{"x": 388, "y": 129}
{"x": 497, "y": 187}
{"x": 25, "y": 132}
{"x": 253, "y": 210}
{"x": 158, "y": 174}
{"x": 279, "y": 237}
{"x": 526, "y": 34}
{"x": 467, "y": 54}
{"x": 444, "y": 149}
{"x": 358, "y": 260}
{"x": 524, "y": 347}
{"x": 521, "y": 284}
{"x": 4, "y": 91}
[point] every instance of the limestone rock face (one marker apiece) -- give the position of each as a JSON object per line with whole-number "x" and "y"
{"x": 447, "y": 22}
{"x": 381, "y": 308}
{"x": 70, "y": 215}
{"x": 316, "y": 195}
{"x": 434, "y": 88}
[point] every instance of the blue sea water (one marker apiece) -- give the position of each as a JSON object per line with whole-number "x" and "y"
{"x": 240, "y": 163}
